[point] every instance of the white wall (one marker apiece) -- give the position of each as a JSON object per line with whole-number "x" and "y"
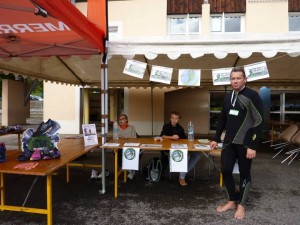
{"x": 62, "y": 104}
{"x": 139, "y": 110}
{"x": 139, "y": 17}
{"x": 267, "y": 17}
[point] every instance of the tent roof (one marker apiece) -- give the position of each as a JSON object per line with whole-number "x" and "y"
{"x": 48, "y": 40}
{"x": 281, "y": 52}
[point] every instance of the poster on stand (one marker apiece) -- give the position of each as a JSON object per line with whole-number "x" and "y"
{"x": 89, "y": 134}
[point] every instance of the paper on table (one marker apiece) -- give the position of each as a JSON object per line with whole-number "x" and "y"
{"x": 131, "y": 144}
{"x": 111, "y": 144}
{"x": 202, "y": 147}
{"x": 203, "y": 140}
{"x": 151, "y": 146}
{"x": 179, "y": 146}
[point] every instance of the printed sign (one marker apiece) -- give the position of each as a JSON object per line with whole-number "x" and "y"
{"x": 89, "y": 134}
{"x": 188, "y": 77}
{"x": 135, "y": 68}
{"x": 161, "y": 74}
{"x": 221, "y": 76}
{"x": 256, "y": 71}
{"x": 178, "y": 160}
{"x": 130, "y": 158}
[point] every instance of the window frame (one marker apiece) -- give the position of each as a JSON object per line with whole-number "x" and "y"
{"x": 225, "y": 15}
{"x": 294, "y": 14}
{"x": 186, "y": 17}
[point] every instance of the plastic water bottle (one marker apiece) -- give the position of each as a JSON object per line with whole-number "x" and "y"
{"x": 190, "y": 131}
{"x": 116, "y": 130}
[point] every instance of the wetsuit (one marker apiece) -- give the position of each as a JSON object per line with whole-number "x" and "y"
{"x": 241, "y": 118}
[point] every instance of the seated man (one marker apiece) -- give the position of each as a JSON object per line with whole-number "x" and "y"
{"x": 174, "y": 131}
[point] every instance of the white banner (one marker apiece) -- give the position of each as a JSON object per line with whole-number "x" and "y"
{"x": 161, "y": 74}
{"x": 187, "y": 77}
{"x": 89, "y": 134}
{"x": 221, "y": 76}
{"x": 135, "y": 68}
{"x": 178, "y": 160}
{"x": 256, "y": 71}
{"x": 130, "y": 158}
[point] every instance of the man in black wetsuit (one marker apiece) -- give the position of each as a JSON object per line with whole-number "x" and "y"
{"x": 241, "y": 118}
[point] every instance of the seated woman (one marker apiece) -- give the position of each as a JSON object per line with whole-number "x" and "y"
{"x": 125, "y": 131}
{"x": 173, "y": 130}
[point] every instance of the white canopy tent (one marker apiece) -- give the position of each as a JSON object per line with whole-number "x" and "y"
{"x": 281, "y": 52}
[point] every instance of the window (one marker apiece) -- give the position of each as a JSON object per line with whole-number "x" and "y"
{"x": 184, "y": 25}
{"x": 227, "y": 23}
{"x": 294, "y": 22}
{"x": 216, "y": 102}
{"x": 285, "y": 106}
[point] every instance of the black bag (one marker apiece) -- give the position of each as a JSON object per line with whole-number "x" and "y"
{"x": 154, "y": 169}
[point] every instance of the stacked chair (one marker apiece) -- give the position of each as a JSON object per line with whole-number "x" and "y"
{"x": 292, "y": 154}
{"x": 285, "y": 139}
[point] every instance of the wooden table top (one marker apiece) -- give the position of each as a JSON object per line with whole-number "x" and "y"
{"x": 166, "y": 143}
{"x": 12, "y": 132}
{"x": 70, "y": 149}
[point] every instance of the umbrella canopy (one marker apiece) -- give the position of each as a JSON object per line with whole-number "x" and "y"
{"x": 38, "y": 37}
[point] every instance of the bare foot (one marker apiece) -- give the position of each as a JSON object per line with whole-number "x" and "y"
{"x": 240, "y": 212}
{"x": 229, "y": 205}
{"x": 182, "y": 182}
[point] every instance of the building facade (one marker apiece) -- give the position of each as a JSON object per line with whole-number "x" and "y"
{"x": 148, "y": 104}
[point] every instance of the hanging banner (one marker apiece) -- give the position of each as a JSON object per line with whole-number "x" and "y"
{"x": 89, "y": 134}
{"x": 135, "y": 68}
{"x": 161, "y": 74}
{"x": 130, "y": 158}
{"x": 187, "y": 77}
{"x": 178, "y": 160}
{"x": 221, "y": 76}
{"x": 256, "y": 71}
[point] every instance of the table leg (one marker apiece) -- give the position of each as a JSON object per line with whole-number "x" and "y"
{"x": 103, "y": 171}
{"x": 19, "y": 142}
{"x": 272, "y": 135}
{"x": 2, "y": 189}
{"x": 49, "y": 199}
{"x": 116, "y": 173}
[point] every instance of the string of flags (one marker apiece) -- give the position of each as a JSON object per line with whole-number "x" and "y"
{"x": 192, "y": 77}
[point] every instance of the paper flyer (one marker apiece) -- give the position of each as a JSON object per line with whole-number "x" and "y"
{"x": 187, "y": 77}
{"x": 161, "y": 74}
{"x": 130, "y": 158}
{"x": 256, "y": 71}
{"x": 221, "y": 76}
{"x": 178, "y": 160}
{"x": 135, "y": 68}
{"x": 89, "y": 134}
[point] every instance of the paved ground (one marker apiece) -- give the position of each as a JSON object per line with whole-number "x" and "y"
{"x": 274, "y": 198}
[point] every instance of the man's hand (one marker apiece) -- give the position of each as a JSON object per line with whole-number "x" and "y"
{"x": 174, "y": 137}
{"x": 250, "y": 153}
{"x": 213, "y": 144}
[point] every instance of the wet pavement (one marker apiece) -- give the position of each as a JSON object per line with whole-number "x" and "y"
{"x": 274, "y": 198}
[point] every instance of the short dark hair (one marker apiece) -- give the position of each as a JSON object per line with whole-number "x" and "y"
{"x": 175, "y": 113}
{"x": 122, "y": 114}
{"x": 238, "y": 69}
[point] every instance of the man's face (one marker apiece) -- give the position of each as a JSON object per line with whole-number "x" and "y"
{"x": 237, "y": 80}
{"x": 122, "y": 120}
{"x": 174, "y": 119}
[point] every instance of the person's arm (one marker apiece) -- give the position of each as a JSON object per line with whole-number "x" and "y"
{"x": 221, "y": 123}
{"x": 165, "y": 133}
{"x": 133, "y": 133}
{"x": 257, "y": 114}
